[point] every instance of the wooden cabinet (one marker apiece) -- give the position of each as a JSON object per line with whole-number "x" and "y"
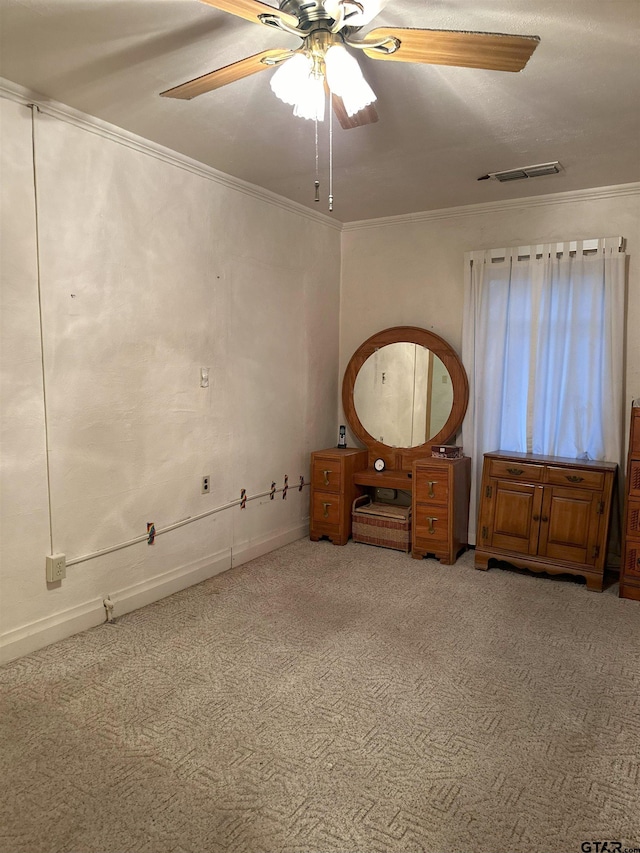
{"x": 545, "y": 513}
{"x": 630, "y": 566}
{"x": 333, "y": 491}
{"x": 440, "y": 507}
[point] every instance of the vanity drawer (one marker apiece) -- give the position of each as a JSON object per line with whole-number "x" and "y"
{"x": 633, "y": 486}
{"x": 575, "y": 478}
{"x": 327, "y": 473}
{"x": 633, "y": 518}
{"x": 431, "y": 524}
{"x": 326, "y": 509}
{"x": 632, "y": 560}
{"x": 432, "y": 485}
{"x": 634, "y": 436}
{"x": 510, "y": 469}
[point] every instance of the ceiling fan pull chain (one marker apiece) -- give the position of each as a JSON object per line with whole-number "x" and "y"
{"x": 317, "y": 181}
{"x": 330, "y": 152}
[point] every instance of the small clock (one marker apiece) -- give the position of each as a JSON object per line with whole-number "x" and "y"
{"x": 379, "y": 465}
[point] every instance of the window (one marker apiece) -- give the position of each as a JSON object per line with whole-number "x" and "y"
{"x": 543, "y": 347}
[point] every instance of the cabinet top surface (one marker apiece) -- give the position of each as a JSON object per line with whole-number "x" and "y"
{"x": 440, "y": 460}
{"x": 553, "y": 460}
{"x": 339, "y": 451}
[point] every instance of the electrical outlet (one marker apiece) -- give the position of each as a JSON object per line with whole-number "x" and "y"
{"x": 206, "y": 484}
{"x": 56, "y": 567}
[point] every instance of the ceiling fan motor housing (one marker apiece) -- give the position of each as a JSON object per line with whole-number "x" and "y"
{"x": 308, "y": 14}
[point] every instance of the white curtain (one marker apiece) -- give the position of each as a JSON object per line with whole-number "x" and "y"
{"x": 543, "y": 334}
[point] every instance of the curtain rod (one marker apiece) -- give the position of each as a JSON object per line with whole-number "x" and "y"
{"x": 570, "y": 247}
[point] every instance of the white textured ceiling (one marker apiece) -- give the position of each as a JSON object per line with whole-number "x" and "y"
{"x": 440, "y": 128}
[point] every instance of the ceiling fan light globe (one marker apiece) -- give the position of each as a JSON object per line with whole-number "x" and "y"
{"x": 310, "y": 103}
{"x": 358, "y": 98}
{"x": 288, "y": 80}
{"x": 296, "y": 83}
{"x": 346, "y": 80}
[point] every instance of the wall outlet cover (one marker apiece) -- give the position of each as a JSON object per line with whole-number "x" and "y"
{"x": 56, "y": 567}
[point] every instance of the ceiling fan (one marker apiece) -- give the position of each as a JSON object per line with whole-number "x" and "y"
{"x": 322, "y": 62}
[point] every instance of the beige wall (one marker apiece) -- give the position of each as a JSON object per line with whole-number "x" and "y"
{"x": 149, "y": 270}
{"x": 140, "y": 269}
{"x": 409, "y": 270}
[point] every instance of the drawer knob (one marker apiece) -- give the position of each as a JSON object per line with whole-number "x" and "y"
{"x": 326, "y": 477}
{"x": 573, "y": 478}
{"x": 431, "y": 484}
{"x": 325, "y": 507}
{"x": 431, "y": 519}
{"x": 515, "y": 471}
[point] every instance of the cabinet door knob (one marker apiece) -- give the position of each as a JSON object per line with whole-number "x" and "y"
{"x": 545, "y": 518}
{"x": 431, "y": 484}
{"x": 536, "y": 518}
{"x": 326, "y": 477}
{"x": 431, "y": 519}
{"x": 326, "y": 509}
{"x": 515, "y": 471}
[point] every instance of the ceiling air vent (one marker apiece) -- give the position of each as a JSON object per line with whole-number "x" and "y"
{"x": 525, "y": 172}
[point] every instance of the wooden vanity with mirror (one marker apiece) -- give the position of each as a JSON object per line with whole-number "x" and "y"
{"x": 404, "y": 390}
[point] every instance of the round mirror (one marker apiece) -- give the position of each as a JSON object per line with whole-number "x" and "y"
{"x": 403, "y": 388}
{"x": 403, "y": 394}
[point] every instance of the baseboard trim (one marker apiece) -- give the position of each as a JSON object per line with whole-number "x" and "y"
{"x": 146, "y": 592}
{"x": 256, "y": 548}
{"x": 36, "y": 635}
{"x": 42, "y": 632}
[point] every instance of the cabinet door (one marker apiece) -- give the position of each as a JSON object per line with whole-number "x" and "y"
{"x": 570, "y": 523}
{"x": 515, "y": 516}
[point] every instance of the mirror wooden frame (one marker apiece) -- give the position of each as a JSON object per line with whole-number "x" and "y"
{"x": 402, "y": 457}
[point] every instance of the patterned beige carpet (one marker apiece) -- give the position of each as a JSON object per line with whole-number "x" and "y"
{"x": 333, "y": 699}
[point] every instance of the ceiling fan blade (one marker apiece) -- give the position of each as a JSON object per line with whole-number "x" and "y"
{"x": 251, "y": 10}
{"x": 228, "y": 74}
{"x": 366, "y": 116}
{"x": 493, "y": 51}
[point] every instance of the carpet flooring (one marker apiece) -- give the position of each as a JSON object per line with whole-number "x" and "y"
{"x": 333, "y": 700}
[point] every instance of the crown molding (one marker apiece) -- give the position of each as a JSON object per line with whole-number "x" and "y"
{"x": 593, "y": 194}
{"x": 14, "y": 92}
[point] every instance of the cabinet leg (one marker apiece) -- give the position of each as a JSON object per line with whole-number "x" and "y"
{"x": 594, "y": 582}
{"x": 481, "y": 562}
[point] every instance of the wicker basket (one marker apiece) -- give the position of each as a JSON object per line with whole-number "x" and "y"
{"x": 385, "y": 525}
